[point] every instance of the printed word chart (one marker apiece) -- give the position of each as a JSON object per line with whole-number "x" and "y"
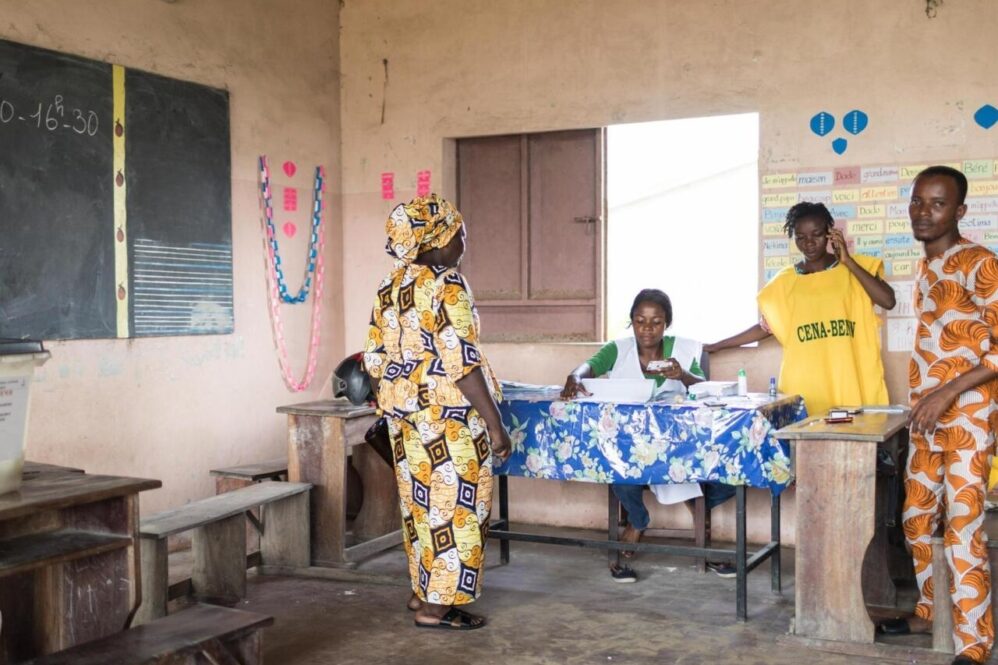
{"x": 870, "y": 206}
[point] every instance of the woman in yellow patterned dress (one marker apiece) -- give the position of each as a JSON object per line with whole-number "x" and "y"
{"x": 439, "y": 396}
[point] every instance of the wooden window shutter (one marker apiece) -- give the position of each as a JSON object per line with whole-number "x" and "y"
{"x": 534, "y": 206}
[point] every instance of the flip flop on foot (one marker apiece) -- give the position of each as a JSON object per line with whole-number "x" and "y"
{"x": 722, "y": 568}
{"x": 454, "y": 619}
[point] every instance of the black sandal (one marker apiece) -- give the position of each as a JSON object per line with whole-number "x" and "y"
{"x": 623, "y": 574}
{"x": 455, "y": 619}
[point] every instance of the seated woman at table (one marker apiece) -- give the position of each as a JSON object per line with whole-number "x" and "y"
{"x": 821, "y": 311}
{"x": 629, "y": 358}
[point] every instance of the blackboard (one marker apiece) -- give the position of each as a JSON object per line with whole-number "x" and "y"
{"x": 60, "y": 232}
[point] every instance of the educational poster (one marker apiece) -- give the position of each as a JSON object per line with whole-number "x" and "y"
{"x": 870, "y": 206}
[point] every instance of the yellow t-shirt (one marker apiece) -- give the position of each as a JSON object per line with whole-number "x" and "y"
{"x": 830, "y": 336}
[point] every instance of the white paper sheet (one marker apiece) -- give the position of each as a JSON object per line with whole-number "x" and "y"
{"x": 619, "y": 390}
{"x": 676, "y": 493}
{"x": 903, "y": 293}
{"x": 901, "y": 335}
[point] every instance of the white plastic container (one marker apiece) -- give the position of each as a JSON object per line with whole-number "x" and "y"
{"x": 742, "y": 383}
{"x": 16, "y": 371}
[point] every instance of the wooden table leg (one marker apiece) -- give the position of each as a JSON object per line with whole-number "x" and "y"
{"x": 219, "y": 548}
{"x": 85, "y": 599}
{"x": 701, "y": 529}
{"x": 613, "y": 525}
{"x": 134, "y": 560}
{"x": 285, "y": 540}
{"x": 741, "y": 568}
{"x": 836, "y": 483}
{"x": 878, "y": 587}
{"x": 317, "y": 454}
{"x": 380, "y": 513}
{"x": 774, "y": 536}
{"x": 155, "y": 580}
{"x": 504, "y": 516}
{"x": 942, "y": 624}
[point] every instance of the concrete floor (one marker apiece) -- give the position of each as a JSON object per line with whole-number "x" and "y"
{"x": 551, "y": 604}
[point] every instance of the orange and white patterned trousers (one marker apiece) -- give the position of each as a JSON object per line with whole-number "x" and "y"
{"x": 953, "y": 481}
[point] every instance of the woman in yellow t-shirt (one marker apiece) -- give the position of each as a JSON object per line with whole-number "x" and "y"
{"x": 821, "y": 311}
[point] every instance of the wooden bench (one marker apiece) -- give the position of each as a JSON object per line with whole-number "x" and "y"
{"x": 235, "y": 477}
{"x": 244, "y": 475}
{"x": 199, "y": 634}
{"x": 219, "y": 541}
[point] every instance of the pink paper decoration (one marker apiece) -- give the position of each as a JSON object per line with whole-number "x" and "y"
{"x": 289, "y": 229}
{"x": 289, "y": 168}
{"x": 388, "y": 186}
{"x": 422, "y": 183}
{"x": 274, "y": 299}
{"x": 290, "y": 199}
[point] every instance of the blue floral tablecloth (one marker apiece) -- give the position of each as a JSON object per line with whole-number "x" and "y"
{"x": 650, "y": 442}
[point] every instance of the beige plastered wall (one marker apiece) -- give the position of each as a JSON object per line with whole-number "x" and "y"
{"x": 172, "y": 408}
{"x": 419, "y": 73}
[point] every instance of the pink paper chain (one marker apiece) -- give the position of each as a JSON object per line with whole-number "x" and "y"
{"x": 273, "y": 293}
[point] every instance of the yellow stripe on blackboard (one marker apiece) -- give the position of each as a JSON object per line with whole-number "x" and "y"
{"x": 120, "y": 211}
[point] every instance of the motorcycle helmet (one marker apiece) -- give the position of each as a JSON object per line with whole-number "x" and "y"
{"x": 351, "y": 381}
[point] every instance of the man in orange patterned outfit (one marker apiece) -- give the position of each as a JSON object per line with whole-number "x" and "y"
{"x": 952, "y": 376}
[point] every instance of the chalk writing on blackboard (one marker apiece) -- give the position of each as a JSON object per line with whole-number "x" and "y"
{"x": 81, "y": 206}
{"x": 81, "y": 121}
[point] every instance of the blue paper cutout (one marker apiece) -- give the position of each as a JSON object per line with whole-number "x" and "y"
{"x": 855, "y": 121}
{"x": 986, "y": 116}
{"x": 822, "y": 123}
{"x": 839, "y": 146}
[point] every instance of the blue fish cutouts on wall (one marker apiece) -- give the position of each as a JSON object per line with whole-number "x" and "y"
{"x": 822, "y": 123}
{"x": 986, "y": 116}
{"x": 855, "y": 121}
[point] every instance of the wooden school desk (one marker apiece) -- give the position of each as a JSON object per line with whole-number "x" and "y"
{"x": 321, "y": 438}
{"x": 836, "y": 470}
{"x": 68, "y": 559}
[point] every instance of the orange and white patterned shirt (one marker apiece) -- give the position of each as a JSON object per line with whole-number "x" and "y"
{"x": 956, "y": 304}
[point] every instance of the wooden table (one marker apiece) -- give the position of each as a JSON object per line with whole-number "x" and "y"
{"x": 837, "y": 506}
{"x": 69, "y": 559}
{"x": 321, "y": 438}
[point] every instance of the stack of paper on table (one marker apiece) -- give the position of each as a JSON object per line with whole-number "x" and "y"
{"x": 713, "y": 389}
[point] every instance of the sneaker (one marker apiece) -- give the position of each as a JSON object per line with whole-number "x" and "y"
{"x": 623, "y": 574}
{"x": 722, "y": 568}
